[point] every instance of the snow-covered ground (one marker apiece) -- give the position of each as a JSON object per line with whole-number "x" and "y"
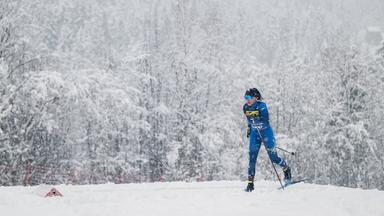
{"x": 181, "y": 199}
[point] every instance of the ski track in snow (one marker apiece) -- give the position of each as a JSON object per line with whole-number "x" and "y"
{"x": 180, "y": 198}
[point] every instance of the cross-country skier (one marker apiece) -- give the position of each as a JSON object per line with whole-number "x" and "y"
{"x": 259, "y": 131}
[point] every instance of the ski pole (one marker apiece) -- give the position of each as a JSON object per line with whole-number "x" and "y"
{"x": 286, "y": 151}
{"x": 273, "y": 165}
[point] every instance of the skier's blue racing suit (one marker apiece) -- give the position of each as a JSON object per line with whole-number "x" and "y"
{"x": 260, "y": 131}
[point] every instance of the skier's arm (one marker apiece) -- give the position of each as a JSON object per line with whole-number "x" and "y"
{"x": 264, "y": 112}
{"x": 249, "y": 125}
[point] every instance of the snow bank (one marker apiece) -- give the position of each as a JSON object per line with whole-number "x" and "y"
{"x": 204, "y": 198}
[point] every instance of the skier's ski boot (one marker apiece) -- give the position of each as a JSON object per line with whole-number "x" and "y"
{"x": 287, "y": 174}
{"x": 250, "y": 185}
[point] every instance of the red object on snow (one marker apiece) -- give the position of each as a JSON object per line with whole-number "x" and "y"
{"x": 53, "y": 192}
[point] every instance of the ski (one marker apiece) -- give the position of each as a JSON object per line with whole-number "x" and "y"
{"x": 292, "y": 183}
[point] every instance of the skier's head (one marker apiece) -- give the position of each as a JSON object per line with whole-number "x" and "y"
{"x": 252, "y": 95}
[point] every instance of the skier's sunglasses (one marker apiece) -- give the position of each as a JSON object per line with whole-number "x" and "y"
{"x": 248, "y": 97}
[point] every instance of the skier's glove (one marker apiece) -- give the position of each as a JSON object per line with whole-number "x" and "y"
{"x": 248, "y": 132}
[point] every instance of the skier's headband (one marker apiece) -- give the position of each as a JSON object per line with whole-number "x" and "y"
{"x": 248, "y": 97}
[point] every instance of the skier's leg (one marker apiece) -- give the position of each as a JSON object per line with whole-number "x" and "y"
{"x": 254, "y": 147}
{"x": 270, "y": 143}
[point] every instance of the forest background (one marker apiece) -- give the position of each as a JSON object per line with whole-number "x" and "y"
{"x": 123, "y": 91}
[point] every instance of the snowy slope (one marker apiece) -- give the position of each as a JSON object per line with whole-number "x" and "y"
{"x": 206, "y": 198}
